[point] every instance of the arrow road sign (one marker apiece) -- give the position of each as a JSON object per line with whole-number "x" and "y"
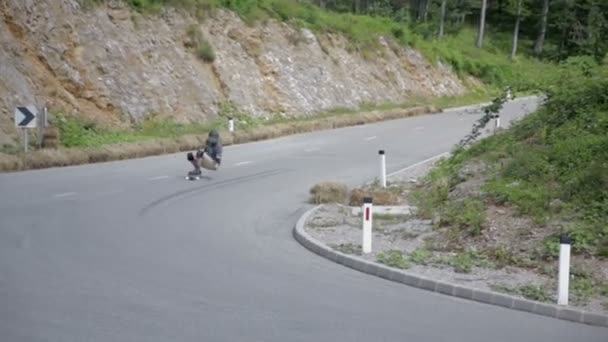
{"x": 25, "y": 117}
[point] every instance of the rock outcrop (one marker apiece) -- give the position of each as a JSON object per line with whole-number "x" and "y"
{"x": 116, "y": 66}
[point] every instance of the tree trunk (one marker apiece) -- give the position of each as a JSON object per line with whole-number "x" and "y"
{"x": 516, "y": 32}
{"x": 442, "y": 23}
{"x": 427, "y": 4}
{"x": 482, "y": 23}
{"x": 421, "y": 7}
{"x": 540, "y": 41}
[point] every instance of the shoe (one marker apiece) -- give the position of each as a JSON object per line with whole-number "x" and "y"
{"x": 195, "y": 173}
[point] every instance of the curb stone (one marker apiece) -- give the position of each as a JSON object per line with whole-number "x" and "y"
{"x": 407, "y": 278}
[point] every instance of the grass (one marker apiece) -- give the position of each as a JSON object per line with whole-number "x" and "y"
{"x": 394, "y": 258}
{"x": 200, "y": 44}
{"x": 348, "y": 248}
{"x": 532, "y": 292}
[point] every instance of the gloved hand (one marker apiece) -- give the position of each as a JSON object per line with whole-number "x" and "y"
{"x": 199, "y": 153}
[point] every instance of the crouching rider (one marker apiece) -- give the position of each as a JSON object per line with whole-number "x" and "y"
{"x": 209, "y": 156}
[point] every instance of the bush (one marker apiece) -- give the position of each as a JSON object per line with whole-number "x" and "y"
{"x": 380, "y": 197}
{"x": 394, "y": 258}
{"x": 329, "y": 192}
{"x": 467, "y": 215}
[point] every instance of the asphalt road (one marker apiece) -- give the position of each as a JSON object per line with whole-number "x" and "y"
{"x": 130, "y": 251}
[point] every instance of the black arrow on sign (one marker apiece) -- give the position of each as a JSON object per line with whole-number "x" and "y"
{"x": 28, "y": 116}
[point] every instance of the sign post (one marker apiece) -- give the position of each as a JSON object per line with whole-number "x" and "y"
{"x": 25, "y": 117}
{"x": 42, "y": 124}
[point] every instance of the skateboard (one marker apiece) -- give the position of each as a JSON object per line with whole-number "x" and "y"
{"x": 197, "y": 177}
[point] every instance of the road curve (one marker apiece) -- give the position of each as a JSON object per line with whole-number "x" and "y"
{"x": 130, "y": 251}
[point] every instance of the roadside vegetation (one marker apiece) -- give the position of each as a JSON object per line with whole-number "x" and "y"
{"x": 548, "y": 174}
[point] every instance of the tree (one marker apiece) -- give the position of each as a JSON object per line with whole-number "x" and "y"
{"x": 482, "y": 23}
{"x": 442, "y": 20}
{"x": 540, "y": 41}
{"x": 519, "y": 8}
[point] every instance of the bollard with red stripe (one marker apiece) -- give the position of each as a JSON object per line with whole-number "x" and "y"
{"x": 367, "y": 224}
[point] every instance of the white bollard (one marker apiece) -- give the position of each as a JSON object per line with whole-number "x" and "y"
{"x": 367, "y": 224}
{"x": 230, "y": 125}
{"x": 497, "y": 121}
{"x": 382, "y": 168}
{"x": 564, "y": 270}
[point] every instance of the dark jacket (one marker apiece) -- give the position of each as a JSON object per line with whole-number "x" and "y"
{"x": 213, "y": 146}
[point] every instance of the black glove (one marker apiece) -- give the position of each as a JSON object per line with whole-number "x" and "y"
{"x": 199, "y": 153}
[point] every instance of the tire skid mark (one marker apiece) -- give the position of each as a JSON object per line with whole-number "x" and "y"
{"x": 180, "y": 194}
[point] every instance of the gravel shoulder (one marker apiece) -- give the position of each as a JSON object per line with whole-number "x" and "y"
{"x": 407, "y": 242}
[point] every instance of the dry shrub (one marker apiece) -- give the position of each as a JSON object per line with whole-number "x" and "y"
{"x": 76, "y": 156}
{"x": 46, "y": 158}
{"x": 189, "y": 142}
{"x": 169, "y": 145}
{"x": 9, "y": 162}
{"x": 329, "y": 192}
{"x": 100, "y": 155}
{"x": 226, "y": 136}
{"x": 380, "y": 197}
{"x": 50, "y": 137}
{"x": 149, "y": 148}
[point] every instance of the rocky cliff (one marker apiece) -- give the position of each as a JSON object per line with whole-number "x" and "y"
{"x": 116, "y": 66}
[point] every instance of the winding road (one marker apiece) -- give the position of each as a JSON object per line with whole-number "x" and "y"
{"x": 130, "y": 251}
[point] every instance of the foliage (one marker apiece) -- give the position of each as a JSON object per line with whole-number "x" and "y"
{"x": 559, "y": 153}
{"x": 394, "y": 258}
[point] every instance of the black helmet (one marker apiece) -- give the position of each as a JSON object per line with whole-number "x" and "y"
{"x": 214, "y": 137}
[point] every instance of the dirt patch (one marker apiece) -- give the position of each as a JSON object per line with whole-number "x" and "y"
{"x": 511, "y": 254}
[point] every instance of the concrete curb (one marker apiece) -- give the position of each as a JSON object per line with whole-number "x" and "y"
{"x": 407, "y": 278}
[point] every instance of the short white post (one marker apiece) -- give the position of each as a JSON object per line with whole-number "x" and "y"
{"x": 230, "y": 125}
{"x": 564, "y": 269}
{"x": 367, "y": 224}
{"x": 382, "y": 168}
{"x": 509, "y": 94}
{"x": 497, "y": 121}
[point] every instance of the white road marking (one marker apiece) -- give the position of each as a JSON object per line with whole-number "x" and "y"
{"x": 312, "y": 150}
{"x": 419, "y": 128}
{"x": 65, "y": 194}
{"x": 371, "y": 138}
{"x": 418, "y": 164}
{"x": 243, "y": 163}
{"x": 158, "y": 178}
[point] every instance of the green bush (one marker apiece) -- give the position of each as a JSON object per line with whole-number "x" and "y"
{"x": 394, "y": 258}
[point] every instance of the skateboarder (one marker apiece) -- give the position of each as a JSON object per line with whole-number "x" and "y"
{"x": 209, "y": 156}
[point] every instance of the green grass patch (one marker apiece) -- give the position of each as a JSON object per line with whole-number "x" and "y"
{"x": 394, "y": 258}
{"x": 532, "y": 292}
{"x": 421, "y": 256}
{"x": 348, "y": 248}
